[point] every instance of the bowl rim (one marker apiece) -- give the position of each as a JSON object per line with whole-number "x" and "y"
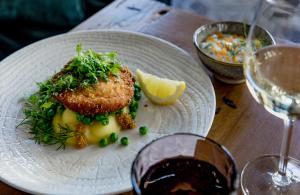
{"x": 199, "y": 29}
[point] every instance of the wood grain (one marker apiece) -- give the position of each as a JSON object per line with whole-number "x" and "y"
{"x": 247, "y": 131}
{"x": 124, "y": 14}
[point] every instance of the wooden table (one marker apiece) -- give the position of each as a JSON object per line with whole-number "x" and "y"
{"x": 247, "y": 131}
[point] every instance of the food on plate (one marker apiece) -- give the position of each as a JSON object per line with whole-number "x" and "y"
{"x": 88, "y": 102}
{"x": 143, "y": 130}
{"x": 124, "y": 141}
{"x": 227, "y": 47}
{"x": 161, "y": 91}
{"x": 104, "y": 96}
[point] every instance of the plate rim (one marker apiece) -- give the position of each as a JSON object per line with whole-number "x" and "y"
{"x": 134, "y": 33}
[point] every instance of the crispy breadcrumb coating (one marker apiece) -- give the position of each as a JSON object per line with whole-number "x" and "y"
{"x": 102, "y": 97}
{"x": 126, "y": 121}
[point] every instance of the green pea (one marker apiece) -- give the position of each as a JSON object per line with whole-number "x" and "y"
{"x": 124, "y": 141}
{"x": 87, "y": 120}
{"x": 137, "y": 96}
{"x": 119, "y": 112}
{"x": 103, "y": 119}
{"x": 133, "y": 106}
{"x": 133, "y": 115}
{"x": 105, "y": 122}
{"x": 99, "y": 117}
{"x": 79, "y": 117}
{"x": 103, "y": 142}
{"x": 143, "y": 130}
{"x": 137, "y": 87}
{"x": 113, "y": 137}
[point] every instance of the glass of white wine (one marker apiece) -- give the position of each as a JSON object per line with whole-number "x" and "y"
{"x": 273, "y": 78}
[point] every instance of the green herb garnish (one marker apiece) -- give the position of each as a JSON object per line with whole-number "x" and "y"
{"x": 85, "y": 69}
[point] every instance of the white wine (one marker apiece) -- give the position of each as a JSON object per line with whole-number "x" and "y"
{"x": 273, "y": 78}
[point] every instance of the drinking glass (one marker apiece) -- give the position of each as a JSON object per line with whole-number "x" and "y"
{"x": 181, "y": 146}
{"x": 273, "y": 78}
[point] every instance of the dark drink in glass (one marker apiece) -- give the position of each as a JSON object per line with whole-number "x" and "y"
{"x": 184, "y": 164}
{"x": 183, "y": 175}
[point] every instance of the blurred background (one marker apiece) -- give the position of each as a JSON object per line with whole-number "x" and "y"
{"x": 26, "y": 21}
{"x": 238, "y": 10}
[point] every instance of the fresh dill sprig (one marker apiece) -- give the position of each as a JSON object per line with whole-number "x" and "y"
{"x": 63, "y": 135}
{"x": 39, "y": 113}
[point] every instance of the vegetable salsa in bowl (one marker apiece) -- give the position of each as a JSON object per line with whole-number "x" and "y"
{"x": 227, "y": 47}
{"x": 221, "y": 48}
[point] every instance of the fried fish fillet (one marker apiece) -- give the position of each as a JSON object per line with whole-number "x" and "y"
{"x": 102, "y": 97}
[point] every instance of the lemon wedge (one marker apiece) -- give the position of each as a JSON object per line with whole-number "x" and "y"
{"x": 161, "y": 91}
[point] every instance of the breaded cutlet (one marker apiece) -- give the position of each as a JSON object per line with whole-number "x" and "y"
{"x": 102, "y": 97}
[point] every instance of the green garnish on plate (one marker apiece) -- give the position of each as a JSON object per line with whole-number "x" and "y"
{"x": 85, "y": 69}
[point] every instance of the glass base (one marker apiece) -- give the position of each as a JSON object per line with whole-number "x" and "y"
{"x": 261, "y": 176}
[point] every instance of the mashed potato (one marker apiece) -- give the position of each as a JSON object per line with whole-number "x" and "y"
{"x": 90, "y": 134}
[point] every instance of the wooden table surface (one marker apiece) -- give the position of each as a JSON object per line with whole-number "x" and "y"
{"x": 247, "y": 131}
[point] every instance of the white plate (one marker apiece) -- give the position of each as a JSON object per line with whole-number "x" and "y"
{"x": 93, "y": 170}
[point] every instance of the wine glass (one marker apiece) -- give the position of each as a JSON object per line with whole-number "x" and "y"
{"x": 273, "y": 78}
{"x": 184, "y": 163}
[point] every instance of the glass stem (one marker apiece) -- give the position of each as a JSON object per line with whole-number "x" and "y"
{"x": 285, "y": 146}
